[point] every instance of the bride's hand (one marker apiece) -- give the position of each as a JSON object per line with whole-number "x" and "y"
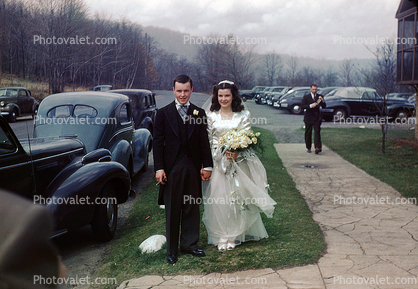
{"x": 231, "y": 155}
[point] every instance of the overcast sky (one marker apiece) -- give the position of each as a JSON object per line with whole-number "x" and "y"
{"x": 331, "y": 29}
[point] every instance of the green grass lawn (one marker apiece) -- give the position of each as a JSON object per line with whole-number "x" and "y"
{"x": 294, "y": 238}
{"x": 398, "y": 167}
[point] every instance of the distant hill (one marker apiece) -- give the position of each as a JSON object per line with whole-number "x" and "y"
{"x": 172, "y": 41}
{"x": 179, "y": 43}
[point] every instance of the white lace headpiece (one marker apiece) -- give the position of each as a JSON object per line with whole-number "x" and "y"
{"x": 226, "y": 81}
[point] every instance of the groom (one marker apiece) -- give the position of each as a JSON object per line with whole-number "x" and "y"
{"x": 182, "y": 158}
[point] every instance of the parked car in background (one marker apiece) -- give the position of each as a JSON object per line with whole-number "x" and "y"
{"x": 99, "y": 120}
{"x": 17, "y": 101}
{"x": 103, "y": 87}
{"x": 398, "y": 96}
{"x": 363, "y": 101}
{"x": 143, "y": 105}
{"x": 277, "y": 90}
{"x": 292, "y": 100}
{"x": 275, "y": 96}
{"x": 260, "y": 97}
{"x": 413, "y": 99}
{"x": 77, "y": 188}
{"x": 245, "y": 94}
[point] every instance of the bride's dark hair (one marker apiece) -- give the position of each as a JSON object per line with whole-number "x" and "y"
{"x": 236, "y": 98}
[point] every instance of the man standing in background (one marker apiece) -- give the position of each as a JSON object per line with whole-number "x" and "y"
{"x": 313, "y": 118}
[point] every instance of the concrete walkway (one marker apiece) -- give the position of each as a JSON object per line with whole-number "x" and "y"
{"x": 370, "y": 231}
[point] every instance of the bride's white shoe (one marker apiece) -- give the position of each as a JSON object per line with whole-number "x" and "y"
{"x": 222, "y": 247}
{"x": 222, "y": 244}
{"x": 230, "y": 245}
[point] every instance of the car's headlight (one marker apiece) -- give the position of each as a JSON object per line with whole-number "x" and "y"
{"x": 284, "y": 100}
{"x": 2, "y": 103}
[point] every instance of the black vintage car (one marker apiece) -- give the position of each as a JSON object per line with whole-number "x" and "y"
{"x": 77, "y": 188}
{"x": 143, "y": 105}
{"x": 250, "y": 94}
{"x": 292, "y": 101}
{"x": 363, "y": 101}
{"x": 17, "y": 101}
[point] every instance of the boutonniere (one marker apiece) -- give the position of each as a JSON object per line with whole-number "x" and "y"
{"x": 195, "y": 112}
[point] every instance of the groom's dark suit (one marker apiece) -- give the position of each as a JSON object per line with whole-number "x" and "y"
{"x": 312, "y": 119}
{"x": 181, "y": 149}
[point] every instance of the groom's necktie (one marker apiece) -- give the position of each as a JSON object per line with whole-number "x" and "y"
{"x": 183, "y": 111}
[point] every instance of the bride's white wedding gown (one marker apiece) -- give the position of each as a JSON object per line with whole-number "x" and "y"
{"x": 237, "y": 191}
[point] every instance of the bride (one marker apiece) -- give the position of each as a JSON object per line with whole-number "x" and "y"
{"x": 237, "y": 190}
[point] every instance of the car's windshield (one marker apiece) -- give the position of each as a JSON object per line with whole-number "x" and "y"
{"x": 8, "y": 92}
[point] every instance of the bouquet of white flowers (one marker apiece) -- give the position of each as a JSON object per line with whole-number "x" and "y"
{"x": 236, "y": 140}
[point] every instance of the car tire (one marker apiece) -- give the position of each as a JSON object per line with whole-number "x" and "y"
{"x": 13, "y": 116}
{"x": 105, "y": 217}
{"x": 401, "y": 115}
{"x": 296, "y": 109}
{"x": 339, "y": 113}
{"x": 145, "y": 166}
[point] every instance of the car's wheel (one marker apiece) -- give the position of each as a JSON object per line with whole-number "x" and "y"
{"x": 401, "y": 115}
{"x": 145, "y": 167}
{"x": 296, "y": 109}
{"x": 339, "y": 113}
{"x": 105, "y": 217}
{"x": 13, "y": 115}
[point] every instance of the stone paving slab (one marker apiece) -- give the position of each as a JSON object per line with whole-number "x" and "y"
{"x": 371, "y": 236}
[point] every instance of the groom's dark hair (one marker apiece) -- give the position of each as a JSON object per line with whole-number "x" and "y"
{"x": 182, "y": 79}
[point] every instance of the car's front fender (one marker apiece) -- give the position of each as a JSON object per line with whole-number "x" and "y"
{"x": 392, "y": 109}
{"x": 72, "y": 196}
{"x": 122, "y": 152}
{"x": 142, "y": 144}
{"x": 10, "y": 107}
{"x": 146, "y": 123}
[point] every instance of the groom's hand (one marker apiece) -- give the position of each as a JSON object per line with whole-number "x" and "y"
{"x": 161, "y": 177}
{"x": 205, "y": 174}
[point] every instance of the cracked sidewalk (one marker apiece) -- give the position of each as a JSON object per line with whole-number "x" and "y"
{"x": 370, "y": 231}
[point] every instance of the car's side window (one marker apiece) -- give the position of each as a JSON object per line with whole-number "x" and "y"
{"x": 368, "y": 95}
{"x": 6, "y": 144}
{"x": 124, "y": 115}
{"x": 12, "y": 92}
{"x": 145, "y": 101}
{"x": 22, "y": 92}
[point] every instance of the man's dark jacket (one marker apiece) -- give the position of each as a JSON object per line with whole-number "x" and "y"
{"x": 312, "y": 115}
{"x": 166, "y": 142}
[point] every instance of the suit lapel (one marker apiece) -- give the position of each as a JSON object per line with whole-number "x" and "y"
{"x": 171, "y": 114}
{"x": 191, "y": 124}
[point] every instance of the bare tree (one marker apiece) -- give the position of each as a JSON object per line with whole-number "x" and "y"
{"x": 292, "y": 71}
{"x": 346, "y": 73}
{"x": 383, "y": 77}
{"x": 272, "y": 68}
{"x": 329, "y": 77}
